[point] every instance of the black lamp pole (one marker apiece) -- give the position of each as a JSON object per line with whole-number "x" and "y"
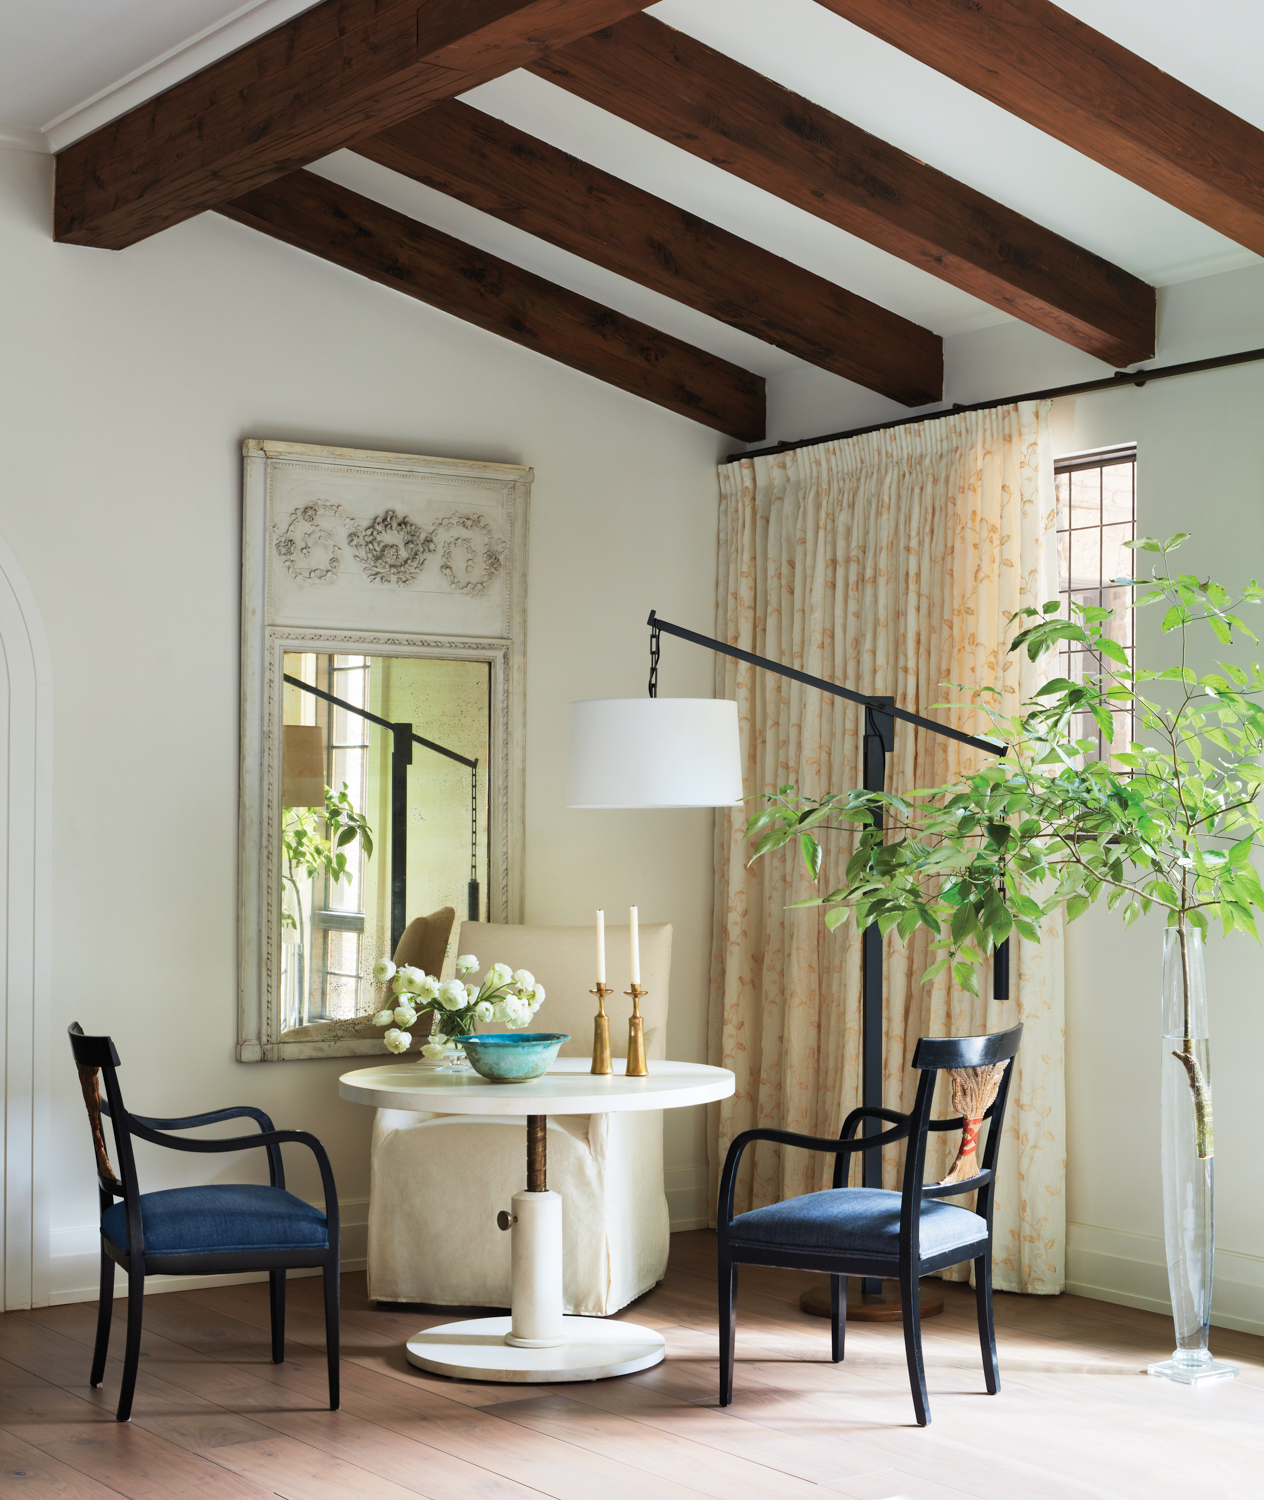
{"x": 402, "y": 741}
{"x": 879, "y": 739}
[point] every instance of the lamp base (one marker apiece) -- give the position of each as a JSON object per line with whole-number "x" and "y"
{"x": 886, "y": 1307}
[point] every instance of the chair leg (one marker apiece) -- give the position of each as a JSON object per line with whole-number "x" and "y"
{"x": 910, "y": 1296}
{"x": 331, "y": 1332}
{"x": 838, "y": 1316}
{"x": 728, "y": 1329}
{"x": 987, "y": 1331}
{"x": 276, "y": 1301}
{"x": 131, "y": 1354}
{"x": 105, "y": 1311}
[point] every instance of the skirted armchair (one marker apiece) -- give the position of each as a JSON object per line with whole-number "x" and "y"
{"x": 438, "y": 1181}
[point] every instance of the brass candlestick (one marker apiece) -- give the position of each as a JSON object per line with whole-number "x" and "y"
{"x": 601, "y": 1032}
{"x": 637, "y": 1066}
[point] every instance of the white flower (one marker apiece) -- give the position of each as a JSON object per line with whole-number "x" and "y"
{"x": 427, "y": 987}
{"x": 467, "y": 964}
{"x": 383, "y": 970}
{"x": 384, "y": 1017}
{"x": 516, "y": 1012}
{"x": 397, "y": 1041}
{"x": 403, "y": 983}
{"x": 405, "y": 1015}
{"x": 537, "y": 997}
{"x": 500, "y": 974}
{"x": 437, "y": 1051}
{"x": 483, "y": 1010}
{"x": 452, "y": 995}
{"x": 524, "y": 979}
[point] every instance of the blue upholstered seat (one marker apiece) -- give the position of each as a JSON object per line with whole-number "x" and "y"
{"x": 861, "y": 1221}
{"x": 222, "y": 1217}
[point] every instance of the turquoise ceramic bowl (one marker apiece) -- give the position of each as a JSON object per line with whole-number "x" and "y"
{"x": 513, "y": 1056}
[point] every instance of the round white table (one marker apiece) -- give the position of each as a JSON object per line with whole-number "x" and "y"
{"x": 536, "y": 1343}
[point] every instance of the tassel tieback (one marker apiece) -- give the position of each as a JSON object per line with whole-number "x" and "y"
{"x": 974, "y": 1092}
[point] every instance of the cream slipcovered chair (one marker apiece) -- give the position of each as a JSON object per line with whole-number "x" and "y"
{"x": 439, "y": 1181}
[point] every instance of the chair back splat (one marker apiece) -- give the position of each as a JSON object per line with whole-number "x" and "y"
{"x": 900, "y": 1236}
{"x": 199, "y": 1231}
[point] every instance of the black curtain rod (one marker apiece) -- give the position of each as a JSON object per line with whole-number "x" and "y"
{"x": 1110, "y": 383}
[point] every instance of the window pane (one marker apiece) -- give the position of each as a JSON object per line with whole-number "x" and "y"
{"x": 1086, "y": 561}
{"x": 1117, "y": 493}
{"x": 1086, "y": 497}
{"x": 1117, "y": 560}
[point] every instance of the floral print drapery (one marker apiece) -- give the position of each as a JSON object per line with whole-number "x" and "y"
{"x": 888, "y": 563}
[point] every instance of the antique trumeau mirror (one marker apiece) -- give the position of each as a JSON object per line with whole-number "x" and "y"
{"x": 383, "y": 613}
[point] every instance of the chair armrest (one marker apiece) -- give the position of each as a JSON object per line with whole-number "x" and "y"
{"x": 728, "y": 1178}
{"x": 276, "y": 1170}
{"x": 967, "y": 1185}
{"x": 271, "y": 1139}
{"x": 869, "y": 1112}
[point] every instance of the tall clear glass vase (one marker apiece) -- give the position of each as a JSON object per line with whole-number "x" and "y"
{"x": 1189, "y": 1166}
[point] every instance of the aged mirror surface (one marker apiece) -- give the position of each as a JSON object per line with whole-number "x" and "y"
{"x": 381, "y": 726}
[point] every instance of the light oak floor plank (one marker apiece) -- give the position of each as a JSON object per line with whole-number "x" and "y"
{"x": 1076, "y": 1419}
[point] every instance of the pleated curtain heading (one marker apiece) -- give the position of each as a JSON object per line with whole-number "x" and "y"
{"x": 889, "y": 563}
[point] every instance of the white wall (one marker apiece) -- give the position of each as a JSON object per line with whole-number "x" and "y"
{"x": 1201, "y": 469}
{"x": 127, "y": 383}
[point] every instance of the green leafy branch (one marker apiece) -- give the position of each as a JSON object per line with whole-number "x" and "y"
{"x": 310, "y": 851}
{"x": 1169, "y": 822}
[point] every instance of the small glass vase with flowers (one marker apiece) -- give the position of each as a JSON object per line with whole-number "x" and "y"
{"x": 510, "y": 996}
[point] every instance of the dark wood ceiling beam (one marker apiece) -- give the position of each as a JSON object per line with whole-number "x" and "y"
{"x": 546, "y": 192}
{"x": 344, "y": 69}
{"x": 1040, "y": 63}
{"x": 698, "y": 99}
{"x": 318, "y": 216}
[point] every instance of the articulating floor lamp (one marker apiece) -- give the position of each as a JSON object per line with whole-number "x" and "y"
{"x": 684, "y": 752}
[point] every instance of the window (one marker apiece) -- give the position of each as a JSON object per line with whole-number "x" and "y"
{"x": 1096, "y": 515}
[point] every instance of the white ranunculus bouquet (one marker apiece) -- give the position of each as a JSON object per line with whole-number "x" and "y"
{"x": 504, "y": 995}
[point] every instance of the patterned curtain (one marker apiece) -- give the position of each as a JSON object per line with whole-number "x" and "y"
{"x": 888, "y": 563}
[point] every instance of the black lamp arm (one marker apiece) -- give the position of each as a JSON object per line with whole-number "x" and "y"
{"x": 879, "y": 714}
{"x": 877, "y": 706}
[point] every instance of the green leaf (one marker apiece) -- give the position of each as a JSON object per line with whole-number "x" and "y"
{"x": 811, "y": 854}
{"x": 935, "y": 970}
{"x": 1077, "y": 906}
{"x": 965, "y": 976}
{"x": 1175, "y": 540}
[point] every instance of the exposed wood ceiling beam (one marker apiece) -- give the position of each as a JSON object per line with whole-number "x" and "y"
{"x": 344, "y": 69}
{"x": 528, "y": 183}
{"x": 316, "y": 215}
{"x": 704, "y": 102}
{"x": 1070, "y": 81}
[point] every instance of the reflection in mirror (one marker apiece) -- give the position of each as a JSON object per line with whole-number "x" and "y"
{"x": 384, "y": 816}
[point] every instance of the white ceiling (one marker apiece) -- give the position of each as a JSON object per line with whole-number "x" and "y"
{"x": 67, "y": 66}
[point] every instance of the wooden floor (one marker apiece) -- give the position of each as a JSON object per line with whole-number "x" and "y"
{"x": 215, "y": 1420}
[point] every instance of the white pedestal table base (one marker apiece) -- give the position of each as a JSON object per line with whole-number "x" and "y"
{"x": 547, "y": 1347}
{"x": 595, "y": 1349}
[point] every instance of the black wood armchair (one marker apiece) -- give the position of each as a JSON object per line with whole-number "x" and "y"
{"x": 199, "y": 1231}
{"x": 902, "y": 1236}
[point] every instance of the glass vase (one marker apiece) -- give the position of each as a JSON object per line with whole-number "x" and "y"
{"x": 1189, "y": 1165}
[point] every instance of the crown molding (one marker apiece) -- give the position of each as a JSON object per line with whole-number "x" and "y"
{"x": 23, "y": 138}
{"x": 242, "y": 26}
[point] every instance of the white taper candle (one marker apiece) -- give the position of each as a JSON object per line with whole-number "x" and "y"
{"x": 634, "y": 938}
{"x": 601, "y": 947}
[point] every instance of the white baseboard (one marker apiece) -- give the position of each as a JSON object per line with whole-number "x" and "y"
{"x": 1115, "y": 1265}
{"x": 687, "y": 1197}
{"x": 76, "y": 1261}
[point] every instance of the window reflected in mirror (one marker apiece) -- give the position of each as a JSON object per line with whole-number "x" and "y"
{"x": 384, "y": 816}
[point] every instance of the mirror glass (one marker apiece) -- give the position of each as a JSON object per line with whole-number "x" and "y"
{"x": 383, "y": 816}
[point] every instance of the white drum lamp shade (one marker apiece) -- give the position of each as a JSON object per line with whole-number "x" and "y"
{"x": 654, "y": 752}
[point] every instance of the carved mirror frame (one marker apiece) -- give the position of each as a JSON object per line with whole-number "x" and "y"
{"x": 392, "y": 554}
